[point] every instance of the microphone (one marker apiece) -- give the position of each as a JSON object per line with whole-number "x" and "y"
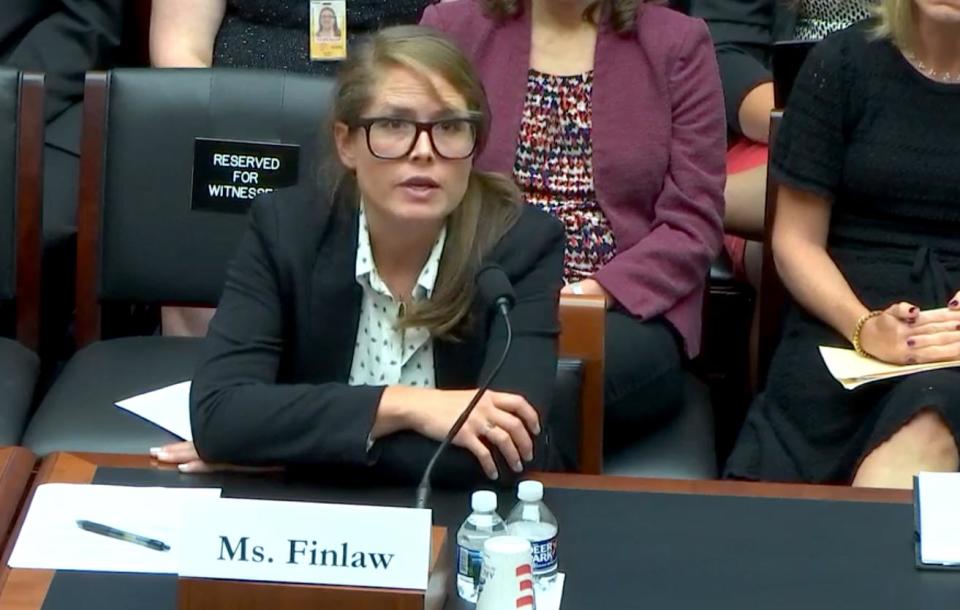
{"x": 496, "y": 291}
{"x": 495, "y": 288}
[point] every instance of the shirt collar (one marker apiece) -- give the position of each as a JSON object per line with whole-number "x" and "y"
{"x": 366, "y": 269}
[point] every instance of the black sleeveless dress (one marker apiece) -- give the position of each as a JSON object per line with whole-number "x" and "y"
{"x": 867, "y": 131}
{"x": 273, "y": 34}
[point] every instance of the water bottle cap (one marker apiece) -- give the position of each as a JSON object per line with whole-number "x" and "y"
{"x": 483, "y": 501}
{"x": 530, "y": 491}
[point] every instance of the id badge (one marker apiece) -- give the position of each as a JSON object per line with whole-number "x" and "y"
{"x": 328, "y": 30}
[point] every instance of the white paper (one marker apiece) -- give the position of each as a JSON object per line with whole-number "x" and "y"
{"x": 51, "y": 538}
{"x": 274, "y": 541}
{"x": 939, "y": 497}
{"x": 549, "y": 598}
{"x": 853, "y": 370}
{"x": 167, "y": 407}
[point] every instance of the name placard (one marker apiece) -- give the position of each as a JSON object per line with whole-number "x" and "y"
{"x": 301, "y": 542}
{"x": 228, "y": 174}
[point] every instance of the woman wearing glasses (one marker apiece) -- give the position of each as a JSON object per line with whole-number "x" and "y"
{"x": 609, "y": 115}
{"x": 350, "y": 332}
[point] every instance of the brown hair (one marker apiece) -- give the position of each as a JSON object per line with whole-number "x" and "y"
{"x": 622, "y": 13}
{"x": 491, "y": 204}
{"x": 895, "y": 21}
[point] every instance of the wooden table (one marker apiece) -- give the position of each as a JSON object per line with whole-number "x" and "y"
{"x": 16, "y": 467}
{"x": 23, "y": 589}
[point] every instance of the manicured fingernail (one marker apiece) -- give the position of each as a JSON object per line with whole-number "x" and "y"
{"x": 912, "y": 310}
{"x": 911, "y": 342}
{"x": 518, "y": 466}
{"x": 536, "y": 429}
{"x": 954, "y": 303}
{"x": 154, "y": 451}
{"x": 495, "y": 476}
{"x": 529, "y": 457}
{"x": 183, "y": 467}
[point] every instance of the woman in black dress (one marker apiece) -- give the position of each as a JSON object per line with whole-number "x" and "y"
{"x": 866, "y": 241}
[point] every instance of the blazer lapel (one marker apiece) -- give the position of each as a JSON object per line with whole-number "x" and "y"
{"x": 335, "y": 297}
{"x": 451, "y": 363}
{"x": 457, "y": 363}
{"x": 503, "y": 60}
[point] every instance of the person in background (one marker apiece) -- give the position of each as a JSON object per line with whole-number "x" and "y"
{"x": 63, "y": 40}
{"x": 267, "y": 34}
{"x": 865, "y": 241}
{"x": 350, "y": 332}
{"x": 609, "y": 115}
{"x": 744, "y": 32}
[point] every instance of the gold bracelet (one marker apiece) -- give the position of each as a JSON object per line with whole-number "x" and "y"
{"x": 859, "y": 329}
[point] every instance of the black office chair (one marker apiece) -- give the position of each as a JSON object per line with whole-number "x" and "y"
{"x": 139, "y": 241}
{"x": 21, "y": 160}
{"x": 681, "y": 447}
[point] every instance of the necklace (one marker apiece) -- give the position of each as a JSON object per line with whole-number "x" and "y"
{"x": 942, "y": 77}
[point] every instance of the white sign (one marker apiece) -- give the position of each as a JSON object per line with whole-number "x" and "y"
{"x": 301, "y": 542}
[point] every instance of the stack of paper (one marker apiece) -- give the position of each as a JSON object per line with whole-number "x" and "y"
{"x": 853, "y": 370}
{"x": 938, "y": 496}
{"x": 52, "y": 539}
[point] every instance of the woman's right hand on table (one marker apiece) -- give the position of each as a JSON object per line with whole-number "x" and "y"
{"x": 501, "y": 421}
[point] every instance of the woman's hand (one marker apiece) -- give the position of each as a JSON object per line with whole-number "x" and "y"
{"x": 185, "y": 456}
{"x": 588, "y": 286}
{"x": 507, "y": 421}
{"x": 905, "y": 335}
{"x": 936, "y": 334}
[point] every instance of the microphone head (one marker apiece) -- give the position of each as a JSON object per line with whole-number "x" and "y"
{"x": 495, "y": 287}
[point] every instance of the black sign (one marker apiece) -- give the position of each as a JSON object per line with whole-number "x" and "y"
{"x": 228, "y": 174}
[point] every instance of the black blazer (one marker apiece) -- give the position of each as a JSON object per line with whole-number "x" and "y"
{"x": 272, "y": 386}
{"x": 744, "y": 32}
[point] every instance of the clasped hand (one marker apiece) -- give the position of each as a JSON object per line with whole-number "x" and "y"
{"x": 905, "y": 334}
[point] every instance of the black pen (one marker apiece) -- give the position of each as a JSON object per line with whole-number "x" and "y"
{"x": 110, "y": 532}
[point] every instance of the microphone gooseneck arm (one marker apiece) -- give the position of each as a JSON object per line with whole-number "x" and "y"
{"x": 423, "y": 489}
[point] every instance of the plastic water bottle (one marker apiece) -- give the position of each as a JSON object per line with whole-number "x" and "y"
{"x": 483, "y": 523}
{"x": 531, "y": 519}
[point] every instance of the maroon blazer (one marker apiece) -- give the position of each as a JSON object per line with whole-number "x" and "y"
{"x": 659, "y": 146}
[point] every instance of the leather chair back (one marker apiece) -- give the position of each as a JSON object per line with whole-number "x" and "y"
{"x": 139, "y": 239}
{"x": 9, "y": 95}
{"x": 21, "y": 159}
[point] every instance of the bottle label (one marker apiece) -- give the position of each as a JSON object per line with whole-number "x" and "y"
{"x": 469, "y": 563}
{"x": 544, "y": 555}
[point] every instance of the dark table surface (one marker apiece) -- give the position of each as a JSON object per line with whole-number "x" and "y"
{"x": 628, "y": 549}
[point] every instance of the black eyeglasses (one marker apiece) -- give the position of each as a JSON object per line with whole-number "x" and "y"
{"x": 391, "y": 138}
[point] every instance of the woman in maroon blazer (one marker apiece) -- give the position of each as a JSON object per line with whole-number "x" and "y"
{"x": 610, "y": 116}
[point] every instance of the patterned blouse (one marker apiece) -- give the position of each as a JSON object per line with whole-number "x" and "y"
{"x": 818, "y": 18}
{"x": 384, "y": 355}
{"x": 554, "y": 167}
